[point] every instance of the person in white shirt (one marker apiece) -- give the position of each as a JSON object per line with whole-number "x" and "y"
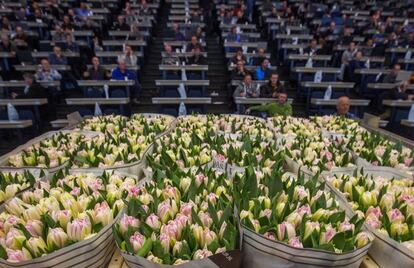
{"x": 128, "y": 56}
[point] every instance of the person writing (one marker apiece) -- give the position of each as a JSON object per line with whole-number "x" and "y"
{"x": 342, "y": 108}
{"x": 279, "y": 107}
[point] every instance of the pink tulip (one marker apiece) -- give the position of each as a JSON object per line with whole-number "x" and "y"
{"x": 75, "y": 191}
{"x": 395, "y": 215}
{"x": 205, "y": 219}
{"x": 165, "y": 242}
{"x": 212, "y": 197}
{"x": 408, "y": 161}
{"x": 295, "y": 242}
{"x": 208, "y": 237}
{"x": 374, "y": 211}
{"x": 127, "y": 221}
{"x": 305, "y": 209}
{"x": 171, "y": 192}
{"x": 201, "y": 254}
{"x": 270, "y": 235}
{"x": 35, "y": 227}
{"x": 182, "y": 220}
{"x": 78, "y": 229}
{"x": 186, "y": 208}
{"x": 372, "y": 221}
{"x": 285, "y": 228}
{"x": 327, "y": 235}
{"x": 200, "y": 178}
{"x": 345, "y": 226}
{"x": 133, "y": 192}
{"x": 153, "y": 221}
{"x": 18, "y": 255}
{"x": 137, "y": 240}
{"x": 172, "y": 230}
{"x": 56, "y": 238}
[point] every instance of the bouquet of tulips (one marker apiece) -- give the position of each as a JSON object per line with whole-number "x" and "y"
{"x": 287, "y": 209}
{"x": 338, "y": 125}
{"x": 70, "y": 209}
{"x": 387, "y": 205}
{"x": 174, "y": 221}
{"x": 125, "y": 140}
{"x": 293, "y": 126}
{"x": 379, "y": 151}
{"x": 50, "y": 152}
{"x": 318, "y": 155}
{"x": 12, "y": 183}
{"x": 243, "y": 125}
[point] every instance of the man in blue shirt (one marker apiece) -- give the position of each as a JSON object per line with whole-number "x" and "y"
{"x": 263, "y": 72}
{"x": 342, "y": 108}
{"x": 122, "y": 73}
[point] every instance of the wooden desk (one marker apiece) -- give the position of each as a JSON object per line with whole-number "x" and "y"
{"x": 127, "y": 33}
{"x": 188, "y": 68}
{"x": 226, "y": 27}
{"x": 203, "y": 100}
{"x": 100, "y": 101}
{"x": 21, "y": 84}
{"x": 46, "y": 54}
{"x": 187, "y": 25}
{"x": 181, "y": 43}
{"x": 110, "y": 67}
{"x": 185, "y": 82}
{"x": 23, "y": 102}
{"x": 327, "y": 70}
{"x": 243, "y": 100}
{"x": 34, "y": 68}
{"x": 109, "y": 83}
{"x": 17, "y": 124}
{"x": 305, "y": 57}
{"x": 359, "y": 104}
{"x": 324, "y": 85}
{"x": 386, "y": 86}
{"x": 246, "y": 44}
{"x": 250, "y": 68}
{"x": 182, "y": 54}
{"x": 115, "y": 54}
{"x": 230, "y": 55}
{"x": 77, "y": 33}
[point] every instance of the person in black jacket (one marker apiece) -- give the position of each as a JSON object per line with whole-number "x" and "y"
{"x": 197, "y": 58}
{"x": 272, "y": 88}
{"x": 32, "y": 90}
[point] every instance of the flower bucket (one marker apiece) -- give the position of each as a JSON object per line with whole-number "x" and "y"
{"x": 259, "y": 251}
{"x": 4, "y": 160}
{"x": 221, "y": 260}
{"x": 95, "y": 251}
{"x": 386, "y": 252}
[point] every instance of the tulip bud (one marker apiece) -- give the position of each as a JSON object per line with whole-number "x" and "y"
{"x": 56, "y": 239}
{"x": 79, "y": 229}
{"x": 37, "y": 246}
{"x": 177, "y": 248}
{"x": 34, "y": 227}
{"x": 201, "y": 254}
{"x": 398, "y": 229}
{"x": 395, "y": 215}
{"x": 205, "y": 219}
{"x": 14, "y": 206}
{"x": 103, "y": 214}
{"x": 165, "y": 242}
{"x": 384, "y": 232}
{"x": 270, "y": 235}
{"x": 220, "y": 190}
{"x": 137, "y": 240}
{"x": 327, "y": 235}
{"x": 256, "y": 225}
{"x": 387, "y": 201}
{"x": 127, "y": 221}
{"x": 294, "y": 218}
{"x": 265, "y": 213}
{"x": 180, "y": 261}
{"x": 300, "y": 193}
{"x": 310, "y": 227}
{"x": 346, "y": 226}
{"x": 18, "y": 255}
{"x": 368, "y": 199}
{"x": 208, "y": 237}
{"x": 153, "y": 222}
{"x": 185, "y": 184}
{"x": 164, "y": 211}
{"x": 197, "y": 233}
{"x": 285, "y": 229}
{"x": 279, "y": 209}
{"x": 171, "y": 192}
{"x": 295, "y": 242}
{"x": 15, "y": 239}
{"x": 154, "y": 259}
{"x": 320, "y": 215}
{"x": 246, "y": 214}
{"x": 363, "y": 238}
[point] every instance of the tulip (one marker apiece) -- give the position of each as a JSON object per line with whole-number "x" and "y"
{"x": 265, "y": 213}
{"x": 205, "y": 219}
{"x": 34, "y": 227}
{"x": 37, "y": 246}
{"x": 285, "y": 229}
{"x": 295, "y": 242}
{"x": 372, "y": 221}
{"x": 172, "y": 230}
{"x": 201, "y": 254}
{"x": 165, "y": 242}
{"x": 208, "y": 237}
{"x": 180, "y": 261}
{"x": 200, "y": 178}
{"x": 327, "y": 235}
{"x": 256, "y": 225}
{"x": 373, "y": 212}
{"x": 146, "y": 198}
{"x": 220, "y": 190}
{"x": 222, "y": 230}
{"x": 294, "y": 218}
{"x": 15, "y": 206}
{"x": 300, "y": 193}
{"x": 15, "y": 239}
{"x": 10, "y": 222}
{"x": 220, "y": 250}
{"x": 320, "y": 215}
{"x": 167, "y": 210}
{"x": 137, "y": 240}
{"x": 265, "y": 201}
{"x": 384, "y": 232}
{"x": 368, "y": 199}
{"x": 305, "y": 209}
{"x": 185, "y": 184}
{"x": 270, "y": 235}
{"x": 153, "y": 222}
{"x": 197, "y": 232}
{"x": 212, "y": 198}
{"x": 18, "y": 255}
{"x": 170, "y": 192}
{"x": 103, "y": 214}
{"x": 154, "y": 259}
{"x": 186, "y": 208}
{"x": 346, "y": 226}
{"x": 310, "y": 227}
{"x": 79, "y": 229}
{"x": 177, "y": 248}
{"x": 363, "y": 238}
{"x": 398, "y": 229}
{"x": 56, "y": 238}
{"x": 279, "y": 208}
{"x": 387, "y": 201}
{"x": 395, "y": 215}
{"x": 246, "y": 214}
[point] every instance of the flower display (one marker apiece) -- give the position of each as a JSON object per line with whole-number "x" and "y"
{"x": 386, "y": 205}
{"x": 50, "y": 152}
{"x": 287, "y": 209}
{"x": 11, "y": 183}
{"x": 125, "y": 140}
{"x": 54, "y": 215}
{"x": 173, "y": 221}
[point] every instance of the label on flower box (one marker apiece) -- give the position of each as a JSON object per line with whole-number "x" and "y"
{"x": 219, "y": 162}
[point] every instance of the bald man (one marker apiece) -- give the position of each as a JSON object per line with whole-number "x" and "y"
{"x": 342, "y": 108}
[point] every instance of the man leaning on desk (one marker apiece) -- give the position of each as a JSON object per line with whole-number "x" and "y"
{"x": 32, "y": 89}
{"x": 279, "y": 107}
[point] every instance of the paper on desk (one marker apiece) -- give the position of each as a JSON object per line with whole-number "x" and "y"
{"x": 309, "y": 63}
{"x": 408, "y": 55}
{"x": 12, "y": 112}
{"x": 182, "y": 110}
{"x": 98, "y": 110}
{"x": 318, "y": 77}
{"x": 411, "y": 113}
{"x": 181, "y": 91}
{"x": 328, "y": 93}
{"x": 106, "y": 90}
{"x": 183, "y": 74}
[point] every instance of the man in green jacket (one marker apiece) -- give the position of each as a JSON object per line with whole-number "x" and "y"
{"x": 280, "y": 107}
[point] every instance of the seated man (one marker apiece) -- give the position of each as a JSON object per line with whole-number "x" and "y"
{"x": 258, "y": 59}
{"x": 170, "y": 59}
{"x": 272, "y": 88}
{"x": 239, "y": 72}
{"x": 391, "y": 77}
{"x": 197, "y": 58}
{"x": 193, "y": 43}
{"x": 128, "y": 56}
{"x": 120, "y": 25}
{"x": 342, "y": 108}
{"x": 176, "y": 33}
{"x": 238, "y": 56}
{"x": 122, "y": 73}
{"x": 263, "y": 72}
{"x": 279, "y": 107}
{"x": 70, "y": 44}
{"x": 313, "y": 48}
{"x": 235, "y": 36}
{"x": 46, "y": 73}
{"x": 56, "y": 58}
{"x": 96, "y": 71}
{"x": 32, "y": 89}
{"x": 246, "y": 89}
